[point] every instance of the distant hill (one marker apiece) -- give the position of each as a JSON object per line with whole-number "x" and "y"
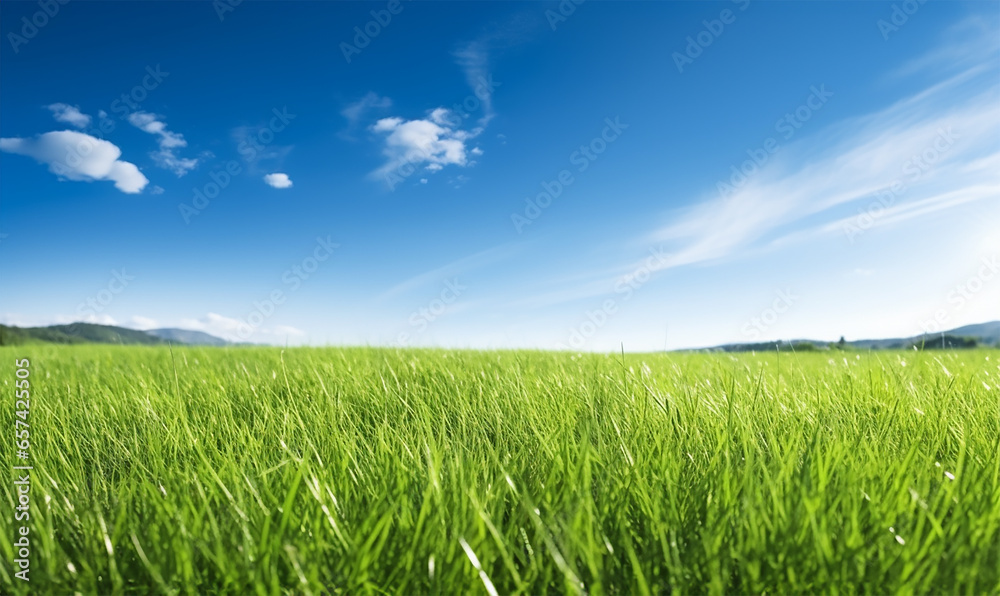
{"x": 15, "y": 336}
{"x": 969, "y": 336}
{"x": 988, "y": 333}
{"x": 945, "y": 341}
{"x": 75, "y": 333}
{"x": 80, "y": 333}
{"x": 187, "y": 336}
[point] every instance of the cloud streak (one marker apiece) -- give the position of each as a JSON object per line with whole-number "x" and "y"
{"x": 914, "y": 145}
{"x": 166, "y": 156}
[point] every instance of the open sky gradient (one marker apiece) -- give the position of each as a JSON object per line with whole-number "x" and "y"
{"x": 501, "y": 174}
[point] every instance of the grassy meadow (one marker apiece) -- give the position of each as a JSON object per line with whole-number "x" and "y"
{"x": 378, "y": 471}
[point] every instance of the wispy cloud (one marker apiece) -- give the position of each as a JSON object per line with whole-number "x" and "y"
{"x": 235, "y": 330}
{"x": 474, "y": 60}
{"x": 476, "y": 57}
{"x": 142, "y": 323}
{"x": 371, "y": 101}
{"x": 901, "y": 145}
{"x": 256, "y": 146}
{"x": 166, "y": 156}
{"x": 463, "y": 265}
{"x": 970, "y": 41}
{"x": 69, "y": 114}
{"x": 932, "y": 151}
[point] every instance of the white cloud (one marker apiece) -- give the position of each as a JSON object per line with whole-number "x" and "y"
{"x": 286, "y": 330}
{"x": 278, "y": 180}
{"x": 77, "y": 156}
{"x": 220, "y": 326}
{"x": 386, "y": 124}
{"x": 93, "y": 318}
{"x": 444, "y": 117}
{"x": 15, "y": 320}
{"x": 70, "y": 115}
{"x": 98, "y": 319}
{"x": 412, "y": 143}
{"x": 165, "y": 158}
{"x": 156, "y": 190}
{"x": 235, "y": 330}
{"x": 439, "y": 139}
{"x": 143, "y": 323}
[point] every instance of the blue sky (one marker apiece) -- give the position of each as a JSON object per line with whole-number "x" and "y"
{"x": 500, "y": 174}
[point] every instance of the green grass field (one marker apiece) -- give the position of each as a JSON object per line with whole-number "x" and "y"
{"x": 262, "y": 471}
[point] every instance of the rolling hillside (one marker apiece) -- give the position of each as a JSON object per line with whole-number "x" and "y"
{"x": 89, "y": 333}
{"x": 187, "y": 336}
{"x": 984, "y": 334}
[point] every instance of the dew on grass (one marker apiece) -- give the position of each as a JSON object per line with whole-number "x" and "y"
{"x": 510, "y": 482}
